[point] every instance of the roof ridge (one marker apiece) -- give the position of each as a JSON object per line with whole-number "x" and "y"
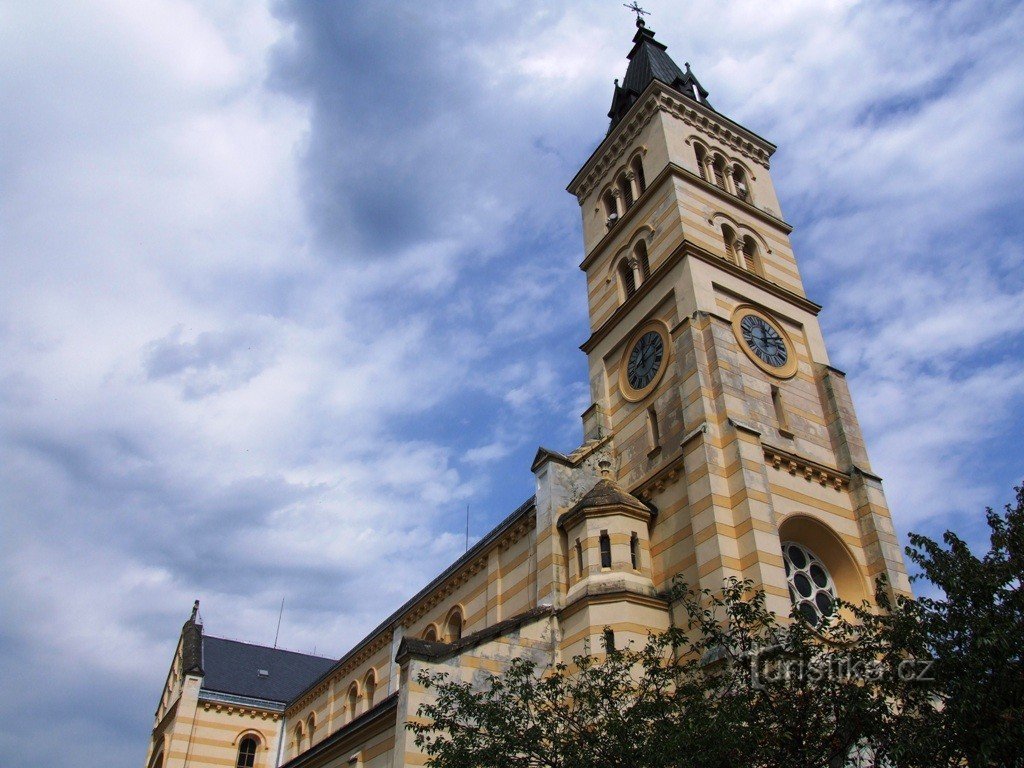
{"x": 267, "y": 647}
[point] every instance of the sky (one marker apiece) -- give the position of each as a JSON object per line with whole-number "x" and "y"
{"x": 285, "y": 287}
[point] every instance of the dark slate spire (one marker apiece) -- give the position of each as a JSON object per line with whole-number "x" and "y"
{"x": 649, "y": 61}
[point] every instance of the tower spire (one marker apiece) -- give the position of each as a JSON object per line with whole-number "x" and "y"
{"x": 649, "y": 61}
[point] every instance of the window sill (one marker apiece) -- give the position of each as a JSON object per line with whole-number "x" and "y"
{"x": 654, "y": 452}
{"x": 786, "y": 433}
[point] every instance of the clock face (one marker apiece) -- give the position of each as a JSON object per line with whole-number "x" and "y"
{"x": 764, "y": 341}
{"x": 645, "y": 360}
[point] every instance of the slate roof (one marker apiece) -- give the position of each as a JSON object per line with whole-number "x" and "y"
{"x": 233, "y": 667}
{"x": 648, "y": 61}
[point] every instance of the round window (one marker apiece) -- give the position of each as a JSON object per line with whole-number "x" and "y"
{"x": 810, "y": 584}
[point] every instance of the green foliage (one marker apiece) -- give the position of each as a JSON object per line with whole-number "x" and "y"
{"x": 974, "y": 629}
{"x": 738, "y": 686}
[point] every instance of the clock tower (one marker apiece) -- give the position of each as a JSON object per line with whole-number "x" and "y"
{"x": 713, "y": 397}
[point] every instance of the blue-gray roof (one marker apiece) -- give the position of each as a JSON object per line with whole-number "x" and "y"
{"x": 233, "y": 667}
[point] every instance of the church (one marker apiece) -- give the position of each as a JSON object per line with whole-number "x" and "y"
{"x": 720, "y": 442}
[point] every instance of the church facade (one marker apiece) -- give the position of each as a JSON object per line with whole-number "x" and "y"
{"x": 720, "y": 443}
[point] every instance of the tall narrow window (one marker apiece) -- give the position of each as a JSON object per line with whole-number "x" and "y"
{"x": 247, "y": 752}
{"x": 611, "y": 209}
{"x": 609, "y": 640}
{"x": 626, "y": 190}
{"x": 653, "y": 430}
{"x": 780, "y": 409}
{"x": 750, "y": 260}
{"x": 369, "y": 688}
{"x": 453, "y": 629}
{"x": 702, "y": 161}
{"x": 579, "y": 559}
{"x": 353, "y": 701}
{"x": 606, "y": 550}
{"x": 627, "y": 278}
{"x": 729, "y": 237}
{"x": 643, "y": 260}
{"x": 634, "y": 551}
{"x": 638, "y": 174}
{"x": 718, "y": 167}
{"x": 299, "y": 738}
{"x": 311, "y": 728}
{"x": 739, "y": 182}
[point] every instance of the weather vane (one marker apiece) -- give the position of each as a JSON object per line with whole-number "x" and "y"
{"x": 640, "y": 12}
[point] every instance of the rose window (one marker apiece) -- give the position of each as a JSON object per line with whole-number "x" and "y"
{"x": 810, "y": 584}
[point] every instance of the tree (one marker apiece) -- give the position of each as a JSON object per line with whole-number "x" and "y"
{"x": 936, "y": 681}
{"x": 734, "y": 687}
{"x": 972, "y": 623}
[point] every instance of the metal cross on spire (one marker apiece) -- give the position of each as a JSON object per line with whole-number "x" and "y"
{"x": 640, "y": 12}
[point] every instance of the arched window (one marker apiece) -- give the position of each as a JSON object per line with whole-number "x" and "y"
{"x": 353, "y": 701}
{"x": 311, "y": 728}
{"x": 634, "y": 551}
{"x": 611, "y": 208}
{"x": 702, "y": 160}
{"x": 606, "y": 550}
{"x": 299, "y": 738}
{"x": 247, "y": 752}
{"x": 739, "y": 183}
{"x": 638, "y": 174}
{"x": 811, "y": 587}
{"x": 369, "y": 687}
{"x": 718, "y": 168}
{"x": 627, "y": 278}
{"x": 640, "y": 251}
{"x": 453, "y": 627}
{"x": 729, "y": 238}
{"x": 430, "y": 633}
{"x": 625, "y": 190}
{"x": 750, "y": 260}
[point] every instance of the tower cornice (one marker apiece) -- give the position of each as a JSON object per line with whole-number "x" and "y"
{"x": 659, "y": 97}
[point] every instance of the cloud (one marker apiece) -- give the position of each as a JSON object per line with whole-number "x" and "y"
{"x": 287, "y": 287}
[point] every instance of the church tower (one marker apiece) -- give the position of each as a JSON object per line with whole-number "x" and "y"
{"x": 713, "y": 397}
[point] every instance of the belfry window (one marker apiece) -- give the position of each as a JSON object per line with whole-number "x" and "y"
{"x": 702, "y": 160}
{"x": 311, "y": 727}
{"x": 611, "y": 208}
{"x": 606, "y": 550}
{"x": 627, "y": 278}
{"x": 643, "y": 260}
{"x": 739, "y": 183}
{"x": 638, "y": 174}
{"x": 748, "y": 249}
{"x": 246, "y": 752}
{"x": 729, "y": 238}
{"x": 626, "y": 190}
{"x": 811, "y": 587}
{"x": 718, "y": 168}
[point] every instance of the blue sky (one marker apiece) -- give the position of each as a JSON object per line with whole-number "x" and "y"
{"x": 285, "y": 287}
